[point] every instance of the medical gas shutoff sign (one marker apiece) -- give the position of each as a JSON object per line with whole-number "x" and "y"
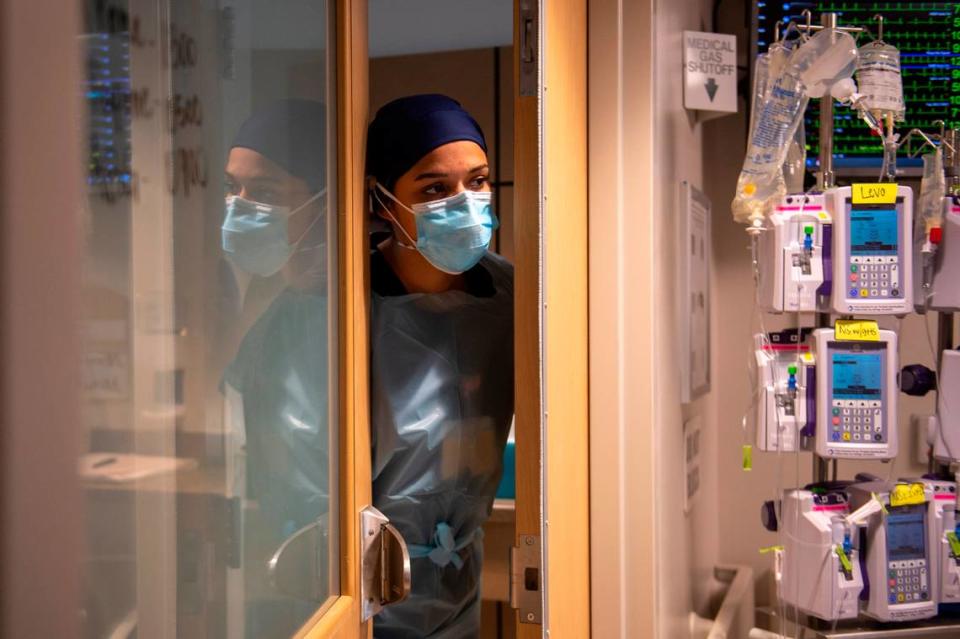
{"x": 710, "y": 72}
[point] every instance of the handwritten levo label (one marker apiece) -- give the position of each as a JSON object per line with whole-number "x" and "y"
{"x": 907, "y": 495}
{"x": 857, "y": 331}
{"x": 875, "y": 193}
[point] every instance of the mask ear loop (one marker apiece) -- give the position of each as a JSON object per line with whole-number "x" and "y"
{"x": 319, "y": 194}
{"x": 412, "y": 245}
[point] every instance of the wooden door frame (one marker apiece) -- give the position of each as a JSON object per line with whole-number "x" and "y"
{"x": 342, "y": 619}
{"x": 552, "y": 423}
{"x": 622, "y": 316}
{"x": 41, "y": 181}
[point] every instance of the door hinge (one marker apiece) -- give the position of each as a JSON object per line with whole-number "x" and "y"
{"x": 526, "y": 576}
{"x": 529, "y": 49}
{"x": 385, "y": 563}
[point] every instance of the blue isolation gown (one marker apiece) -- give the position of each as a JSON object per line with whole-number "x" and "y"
{"x": 281, "y": 374}
{"x": 442, "y": 402}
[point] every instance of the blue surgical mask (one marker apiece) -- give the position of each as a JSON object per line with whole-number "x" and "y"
{"x": 453, "y": 234}
{"x": 254, "y": 235}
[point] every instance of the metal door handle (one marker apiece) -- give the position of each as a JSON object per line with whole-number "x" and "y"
{"x": 386, "y": 563}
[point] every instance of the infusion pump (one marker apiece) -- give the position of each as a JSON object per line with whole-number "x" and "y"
{"x": 946, "y": 438}
{"x": 821, "y": 568}
{"x": 872, "y": 254}
{"x": 945, "y": 567}
{"x": 944, "y": 291}
{"x": 856, "y": 398}
{"x": 897, "y": 553}
{"x": 783, "y": 361}
{"x": 823, "y": 252}
{"x": 791, "y": 256}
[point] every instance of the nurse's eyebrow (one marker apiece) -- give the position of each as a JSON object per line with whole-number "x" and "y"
{"x": 433, "y": 176}
{"x": 259, "y": 179}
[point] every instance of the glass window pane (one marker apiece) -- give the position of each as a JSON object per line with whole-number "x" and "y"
{"x": 210, "y": 318}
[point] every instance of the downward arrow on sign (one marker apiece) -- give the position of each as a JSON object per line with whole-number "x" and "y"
{"x": 711, "y": 87}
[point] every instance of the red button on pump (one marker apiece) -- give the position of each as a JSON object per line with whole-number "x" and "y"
{"x": 836, "y": 420}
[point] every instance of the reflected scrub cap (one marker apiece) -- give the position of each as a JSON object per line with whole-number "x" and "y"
{"x": 409, "y": 128}
{"x": 292, "y": 133}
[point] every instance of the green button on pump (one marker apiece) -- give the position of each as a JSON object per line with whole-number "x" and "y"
{"x": 853, "y": 268}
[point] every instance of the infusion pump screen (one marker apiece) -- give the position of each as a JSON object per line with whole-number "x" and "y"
{"x": 906, "y": 538}
{"x": 873, "y": 232}
{"x": 857, "y": 375}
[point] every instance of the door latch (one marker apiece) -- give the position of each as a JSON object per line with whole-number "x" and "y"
{"x": 529, "y": 46}
{"x": 526, "y": 576}
{"x": 385, "y": 563}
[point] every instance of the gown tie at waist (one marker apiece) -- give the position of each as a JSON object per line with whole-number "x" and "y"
{"x": 444, "y": 548}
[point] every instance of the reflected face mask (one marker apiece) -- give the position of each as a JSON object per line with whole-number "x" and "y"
{"x": 453, "y": 233}
{"x": 254, "y": 235}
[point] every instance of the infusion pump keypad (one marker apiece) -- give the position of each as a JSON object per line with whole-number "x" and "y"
{"x": 875, "y": 277}
{"x": 857, "y": 421}
{"x": 874, "y": 252}
{"x": 908, "y": 581}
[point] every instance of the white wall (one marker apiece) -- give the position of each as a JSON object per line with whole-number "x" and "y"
{"x": 688, "y": 547}
{"x": 399, "y": 28}
{"x": 651, "y": 563}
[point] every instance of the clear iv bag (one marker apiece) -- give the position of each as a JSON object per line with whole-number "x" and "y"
{"x": 761, "y": 82}
{"x": 768, "y": 65}
{"x": 795, "y": 164}
{"x": 933, "y": 188}
{"x": 827, "y": 57}
{"x": 879, "y": 79}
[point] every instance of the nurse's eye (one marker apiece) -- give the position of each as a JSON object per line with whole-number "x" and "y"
{"x": 435, "y": 189}
{"x": 264, "y": 196}
{"x": 230, "y": 187}
{"x": 477, "y": 183}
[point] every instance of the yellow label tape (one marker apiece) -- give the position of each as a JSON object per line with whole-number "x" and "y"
{"x": 857, "y": 330}
{"x": 747, "y": 457}
{"x": 875, "y": 193}
{"x": 907, "y": 495}
{"x": 954, "y": 543}
{"x": 769, "y": 549}
{"x": 844, "y": 560}
{"x": 883, "y": 506}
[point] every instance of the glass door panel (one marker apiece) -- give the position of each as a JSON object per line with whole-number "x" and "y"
{"x": 210, "y": 408}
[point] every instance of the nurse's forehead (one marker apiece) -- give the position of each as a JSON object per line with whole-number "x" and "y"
{"x": 247, "y": 164}
{"x": 454, "y": 156}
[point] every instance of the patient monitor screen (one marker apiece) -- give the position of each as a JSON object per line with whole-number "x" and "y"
{"x": 905, "y": 535}
{"x": 873, "y": 232}
{"x": 857, "y": 376}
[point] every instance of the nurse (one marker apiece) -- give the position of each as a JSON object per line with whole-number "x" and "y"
{"x": 274, "y": 233}
{"x": 441, "y": 357}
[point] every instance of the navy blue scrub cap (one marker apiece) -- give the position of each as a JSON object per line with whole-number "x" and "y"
{"x": 292, "y": 133}
{"x": 407, "y": 129}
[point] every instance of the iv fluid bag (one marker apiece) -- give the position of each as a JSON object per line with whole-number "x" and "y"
{"x": 761, "y": 82}
{"x": 818, "y": 63}
{"x": 933, "y": 188}
{"x": 768, "y": 65}
{"x": 795, "y": 165}
{"x": 878, "y": 75}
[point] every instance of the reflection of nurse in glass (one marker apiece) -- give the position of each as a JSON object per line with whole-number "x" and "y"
{"x": 275, "y": 225}
{"x": 441, "y": 358}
